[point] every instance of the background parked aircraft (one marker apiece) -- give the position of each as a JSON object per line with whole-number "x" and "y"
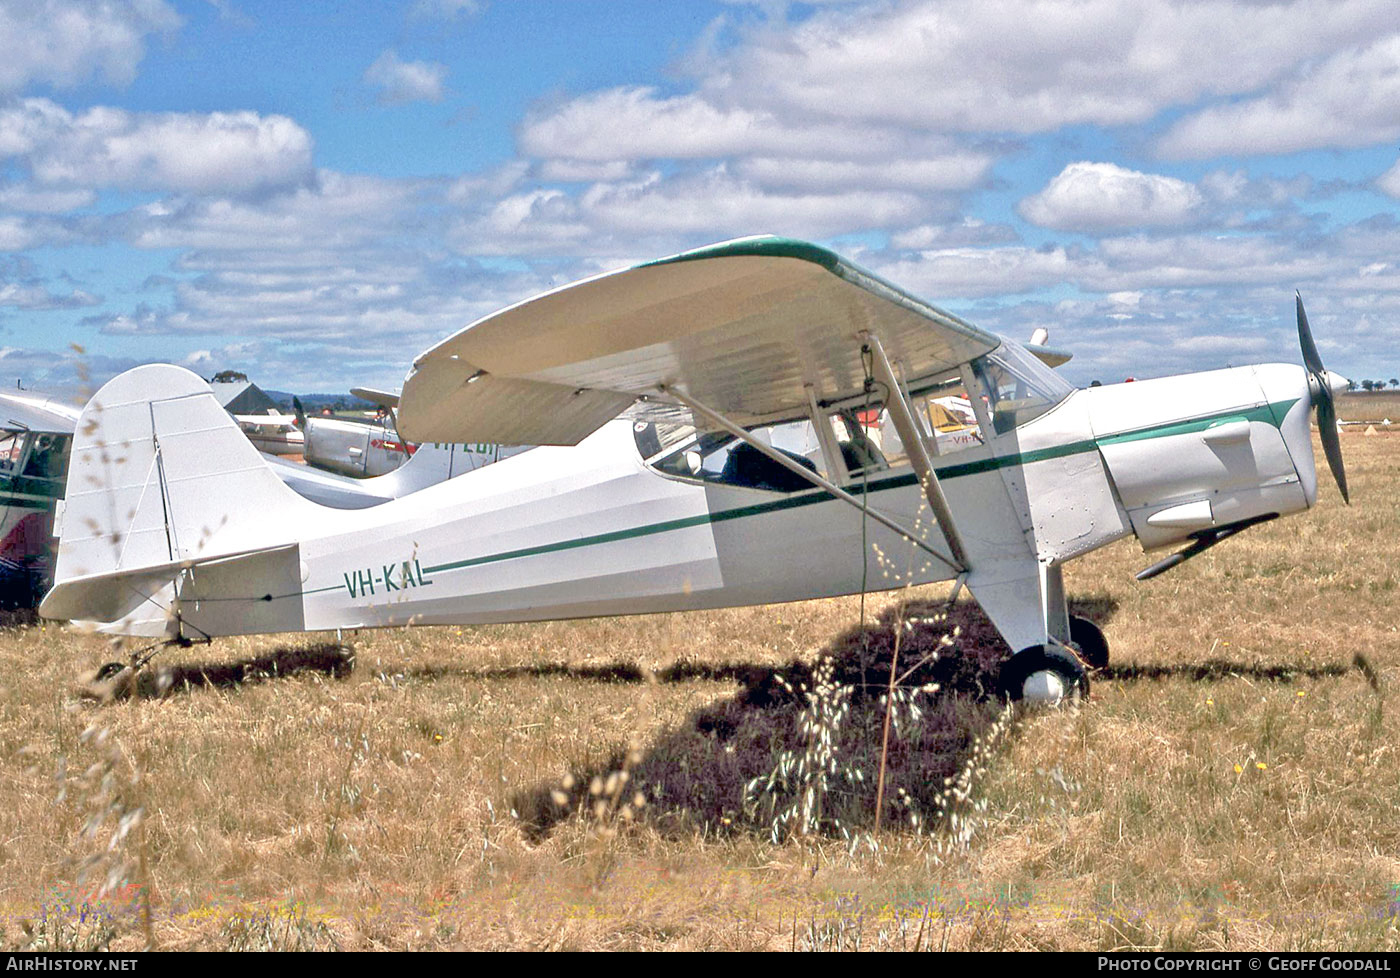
{"x": 355, "y": 448}
{"x": 35, "y": 434}
{"x": 273, "y": 433}
{"x": 430, "y": 464}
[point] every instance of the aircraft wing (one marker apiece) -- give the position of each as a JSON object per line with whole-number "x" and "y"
{"x": 740, "y": 326}
{"x": 284, "y": 420}
{"x": 384, "y": 399}
{"x": 1048, "y": 355}
{"x": 29, "y": 412}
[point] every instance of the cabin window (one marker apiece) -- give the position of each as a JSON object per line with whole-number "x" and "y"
{"x": 944, "y": 412}
{"x": 861, "y": 432}
{"x": 11, "y": 451}
{"x": 869, "y": 441}
{"x": 49, "y": 458}
{"x": 1017, "y": 387}
{"x": 858, "y": 437}
{"x": 719, "y": 457}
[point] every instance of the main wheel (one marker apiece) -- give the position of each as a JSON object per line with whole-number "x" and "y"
{"x": 1043, "y": 674}
{"x": 1088, "y": 638}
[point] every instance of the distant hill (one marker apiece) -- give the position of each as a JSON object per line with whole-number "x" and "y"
{"x": 315, "y": 402}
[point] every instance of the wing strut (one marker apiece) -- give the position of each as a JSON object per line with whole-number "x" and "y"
{"x": 903, "y": 418}
{"x": 812, "y": 477}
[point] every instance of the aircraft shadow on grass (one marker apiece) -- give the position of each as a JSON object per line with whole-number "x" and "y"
{"x": 14, "y": 619}
{"x": 329, "y": 659}
{"x": 694, "y": 775}
{"x": 978, "y": 640}
{"x": 697, "y": 775}
{"x": 1213, "y": 670}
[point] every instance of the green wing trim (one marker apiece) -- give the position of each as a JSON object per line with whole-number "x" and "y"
{"x": 774, "y": 246}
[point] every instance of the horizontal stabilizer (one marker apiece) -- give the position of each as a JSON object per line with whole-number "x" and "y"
{"x": 138, "y": 592}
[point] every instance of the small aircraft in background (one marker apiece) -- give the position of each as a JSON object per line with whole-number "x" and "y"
{"x": 273, "y": 433}
{"x": 358, "y": 448}
{"x": 663, "y": 395}
{"x": 340, "y": 448}
{"x": 430, "y": 464}
{"x": 35, "y": 433}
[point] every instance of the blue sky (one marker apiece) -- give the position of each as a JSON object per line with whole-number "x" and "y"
{"x": 314, "y": 193}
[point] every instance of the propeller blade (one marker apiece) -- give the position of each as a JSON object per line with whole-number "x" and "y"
{"x": 1311, "y": 358}
{"x": 1321, "y": 387}
{"x": 1331, "y": 442}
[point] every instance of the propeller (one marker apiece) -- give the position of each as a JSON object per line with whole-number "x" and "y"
{"x": 1320, "y": 384}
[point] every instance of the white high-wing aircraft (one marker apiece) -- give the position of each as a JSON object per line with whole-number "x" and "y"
{"x": 665, "y": 393}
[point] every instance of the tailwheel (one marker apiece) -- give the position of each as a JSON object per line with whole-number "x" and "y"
{"x": 1087, "y": 639}
{"x": 1044, "y": 674}
{"x": 111, "y": 681}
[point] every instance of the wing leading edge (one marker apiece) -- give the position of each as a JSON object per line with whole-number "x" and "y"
{"x": 743, "y": 326}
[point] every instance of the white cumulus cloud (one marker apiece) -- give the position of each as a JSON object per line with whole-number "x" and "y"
{"x": 1351, "y": 98}
{"x": 401, "y": 81}
{"x": 1029, "y": 66}
{"x": 1088, "y": 196}
{"x": 634, "y": 123}
{"x": 217, "y": 152}
{"x": 1389, "y": 181}
{"x": 67, "y": 42}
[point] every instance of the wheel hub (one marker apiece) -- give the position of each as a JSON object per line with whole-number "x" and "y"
{"x": 1043, "y": 686}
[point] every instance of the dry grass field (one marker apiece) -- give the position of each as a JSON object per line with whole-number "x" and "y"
{"x": 1232, "y": 782}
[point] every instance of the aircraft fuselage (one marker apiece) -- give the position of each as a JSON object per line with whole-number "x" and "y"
{"x": 592, "y": 530}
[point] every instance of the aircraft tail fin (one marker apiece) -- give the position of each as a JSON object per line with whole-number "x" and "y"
{"x": 162, "y": 481}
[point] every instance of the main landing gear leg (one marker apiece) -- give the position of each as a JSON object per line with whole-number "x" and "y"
{"x": 1028, "y": 607}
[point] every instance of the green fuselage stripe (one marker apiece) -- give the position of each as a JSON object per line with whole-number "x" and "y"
{"x": 1264, "y": 413}
{"x": 26, "y": 502}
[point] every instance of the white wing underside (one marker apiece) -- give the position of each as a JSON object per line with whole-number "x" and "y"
{"x": 35, "y": 412}
{"x": 385, "y": 399}
{"x": 742, "y": 327}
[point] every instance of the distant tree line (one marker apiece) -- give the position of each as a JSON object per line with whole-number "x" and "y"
{"x": 316, "y": 402}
